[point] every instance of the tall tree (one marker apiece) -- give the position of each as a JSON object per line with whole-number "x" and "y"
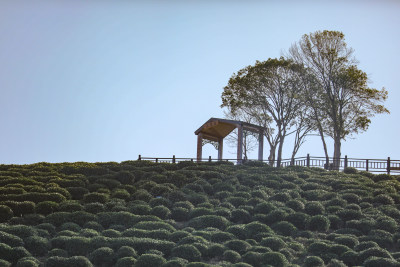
{"x": 269, "y": 91}
{"x": 337, "y": 91}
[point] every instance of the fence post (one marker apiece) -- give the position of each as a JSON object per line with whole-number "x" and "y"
{"x": 191, "y": 160}
{"x": 367, "y": 162}
{"x": 173, "y": 159}
{"x": 140, "y": 157}
{"x": 388, "y": 165}
{"x": 156, "y": 160}
{"x": 308, "y": 160}
{"x": 345, "y": 161}
{"x": 209, "y": 158}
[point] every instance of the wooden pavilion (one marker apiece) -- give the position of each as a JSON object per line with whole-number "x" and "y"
{"x": 217, "y": 129}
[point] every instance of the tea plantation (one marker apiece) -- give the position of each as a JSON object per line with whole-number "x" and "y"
{"x": 138, "y": 213}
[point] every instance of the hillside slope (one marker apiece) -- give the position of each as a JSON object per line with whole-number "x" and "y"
{"x": 138, "y": 213}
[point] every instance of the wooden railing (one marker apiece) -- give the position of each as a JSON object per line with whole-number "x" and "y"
{"x": 371, "y": 165}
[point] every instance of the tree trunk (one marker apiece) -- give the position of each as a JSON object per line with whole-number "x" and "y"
{"x": 271, "y": 157}
{"x": 336, "y": 153}
{"x": 280, "y": 147}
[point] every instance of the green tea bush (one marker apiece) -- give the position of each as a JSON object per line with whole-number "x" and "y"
{"x": 348, "y": 214}
{"x": 319, "y": 223}
{"x": 383, "y": 238}
{"x": 351, "y": 198}
{"x": 313, "y": 261}
{"x": 10, "y": 239}
{"x": 126, "y": 251}
{"x": 252, "y": 258}
{"x": 146, "y": 260}
{"x": 77, "y": 193}
{"x": 22, "y": 231}
{"x": 36, "y": 245}
{"x": 142, "y": 194}
{"x": 273, "y": 242}
{"x": 161, "y": 212}
{"x": 275, "y": 259}
{"x": 318, "y": 248}
{"x": 255, "y": 228}
{"x": 284, "y": 228}
{"x": 121, "y": 194}
{"x": 77, "y": 246}
{"x": 200, "y": 211}
{"x": 95, "y": 197}
{"x": 382, "y": 177}
{"x": 19, "y": 252}
{"x": 387, "y": 224}
{"x": 276, "y": 215}
{"x": 21, "y": 208}
{"x": 93, "y": 225}
{"x": 152, "y": 225}
{"x": 376, "y": 252}
{"x": 379, "y": 262}
{"x": 111, "y": 233}
{"x": 126, "y": 262}
{"x": 6, "y": 213}
{"x": 240, "y": 216}
{"x": 57, "y": 252}
{"x": 363, "y": 245}
{"x": 314, "y": 208}
{"x": 94, "y": 207}
{"x": 5, "y": 252}
{"x": 180, "y": 214}
{"x": 363, "y": 225}
{"x": 298, "y": 219}
{"x": 70, "y": 206}
{"x": 383, "y": 199}
{"x": 27, "y": 262}
{"x": 140, "y": 209}
{"x": 103, "y": 256}
{"x": 231, "y": 256}
{"x": 347, "y": 240}
{"x": 296, "y": 205}
{"x": 125, "y": 177}
{"x": 188, "y": 252}
{"x": 88, "y": 233}
{"x": 237, "y": 245}
{"x": 46, "y": 207}
{"x": 205, "y": 221}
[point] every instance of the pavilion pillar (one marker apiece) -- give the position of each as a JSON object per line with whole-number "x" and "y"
{"x": 220, "y": 148}
{"x": 260, "y": 145}
{"x": 199, "y": 147}
{"x": 240, "y": 144}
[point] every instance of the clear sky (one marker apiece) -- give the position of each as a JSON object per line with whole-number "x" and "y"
{"x": 108, "y": 80}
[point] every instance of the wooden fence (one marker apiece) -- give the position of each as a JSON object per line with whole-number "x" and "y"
{"x": 388, "y": 165}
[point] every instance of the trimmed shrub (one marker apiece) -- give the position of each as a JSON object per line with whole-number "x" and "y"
{"x": 146, "y": 260}
{"x": 125, "y": 177}
{"x": 253, "y": 258}
{"x": 126, "y": 251}
{"x": 240, "y": 216}
{"x": 161, "y": 212}
{"x": 313, "y": 261}
{"x": 95, "y": 197}
{"x": 20, "y": 208}
{"x": 175, "y": 262}
{"x": 273, "y": 242}
{"x": 77, "y": 193}
{"x": 284, "y": 228}
{"x": 188, "y": 252}
{"x": 10, "y": 239}
{"x": 295, "y": 204}
{"x": 239, "y": 246}
{"x": 77, "y": 246}
{"x": 363, "y": 245}
{"x": 221, "y": 237}
{"x": 348, "y": 214}
{"x": 36, "y": 245}
{"x": 231, "y": 256}
{"x": 255, "y": 228}
{"x": 19, "y": 252}
{"x": 298, "y": 219}
{"x": 376, "y": 252}
{"x": 22, "y": 231}
{"x": 5, "y": 252}
{"x": 57, "y": 252}
{"x": 205, "y": 221}
{"x": 94, "y": 207}
{"x": 150, "y": 225}
{"x": 351, "y": 197}
{"x": 379, "y": 262}
{"x": 264, "y": 208}
{"x": 314, "y": 208}
{"x": 103, "y": 256}
{"x": 6, "y": 213}
{"x": 275, "y": 259}
{"x": 215, "y": 251}
{"x": 319, "y": 223}
{"x": 126, "y": 262}
{"x": 276, "y": 215}
{"x": 318, "y": 248}
{"x": 382, "y": 177}
{"x": 349, "y": 241}
{"x": 27, "y": 262}
{"x": 93, "y": 225}
{"x": 383, "y": 199}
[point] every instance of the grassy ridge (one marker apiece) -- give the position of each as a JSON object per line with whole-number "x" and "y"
{"x": 137, "y": 213}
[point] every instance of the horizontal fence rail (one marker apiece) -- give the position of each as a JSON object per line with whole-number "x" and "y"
{"x": 370, "y": 165}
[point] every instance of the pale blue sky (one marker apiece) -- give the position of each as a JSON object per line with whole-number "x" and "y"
{"x": 108, "y": 80}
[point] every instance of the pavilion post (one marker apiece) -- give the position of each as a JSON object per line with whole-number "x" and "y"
{"x": 260, "y": 145}
{"x": 199, "y": 147}
{"x": 240, "y": 144}
{"x": 220, "y": 148}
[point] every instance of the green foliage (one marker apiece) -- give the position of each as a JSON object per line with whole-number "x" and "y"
{"x": 46, "y": 207}
{"x": 319, "y": 223}
{"x": 188, "y": 252}
{"x": 275, "y": 259}
{"x": 209, "y": 221}
{"x": 103, "y": 256}
{"x": 146, "y": 260}
{"x": 273, "y": 242}
{"x": 10, "y": 239}
{"x": 284, "y": 228}
{"x": 36, "y": 245}
{"x": 313, "y": 261}
{"x": 240, "y": 246}
{"x": 95, "y": 197}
